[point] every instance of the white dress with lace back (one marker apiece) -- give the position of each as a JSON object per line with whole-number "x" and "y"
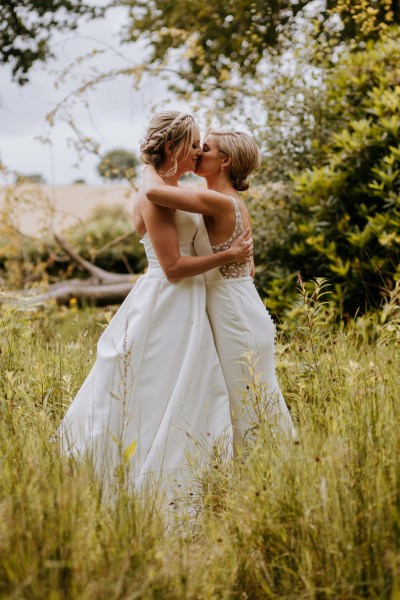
{"x": 156, "y": 391}
{"x": 244, "y": 335}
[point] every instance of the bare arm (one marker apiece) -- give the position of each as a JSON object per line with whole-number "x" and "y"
{"x": 252, "y": 268}
{"x": 202, "y": 201}
{"x": 160, "y": 224}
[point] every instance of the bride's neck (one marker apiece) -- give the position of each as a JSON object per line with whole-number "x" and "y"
{"x": 173, "y": 180}
{"x": 169, "y": 179}
{"x": 220, "y": 184}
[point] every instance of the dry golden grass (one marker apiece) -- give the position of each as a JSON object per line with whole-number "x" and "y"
{"x": 314, "y": 519}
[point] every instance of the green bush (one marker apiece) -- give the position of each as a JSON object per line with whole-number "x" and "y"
{"x": 107, "y": 239}
{"x": 341, "y": 220}
{"x": 352, "y": 227}
{"x": 270, "y": 208}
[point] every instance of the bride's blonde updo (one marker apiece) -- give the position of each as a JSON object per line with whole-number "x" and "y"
{"x": 243, "y": 152}
{"x": 168, "y": 126}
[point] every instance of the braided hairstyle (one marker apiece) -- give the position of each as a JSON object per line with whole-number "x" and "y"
{"x": 168, "y": 126}
{"x": 243, "y": 152}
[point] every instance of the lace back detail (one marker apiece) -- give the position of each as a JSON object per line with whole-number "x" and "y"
{"x": 233, "y": 270}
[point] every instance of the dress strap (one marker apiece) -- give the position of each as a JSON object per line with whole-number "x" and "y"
{"x": 238, "y": 217}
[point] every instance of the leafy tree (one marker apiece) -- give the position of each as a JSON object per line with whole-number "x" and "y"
{"x": 343, "y": 217}
{"x": 26, "y": 27}
{"x": 221, "y": 42}
{"x": 273, "y": 216}
{"x": 107, "y": 239}
{"x": 118, "y": 164}
{"x": 216, "y": 37}
{"x": 30, "y": 178}
{"x": 364, "y": 19}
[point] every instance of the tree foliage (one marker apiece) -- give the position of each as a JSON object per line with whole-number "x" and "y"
{"x": 216, "y": 41}
{"x": 343, "y": 222}
{"x": 329, "y": 126}
{"x": 26, "y": 27}
{"x": 118, "y": 164}
{"x": 364, "y": 19}
{"x": 216, "y": 37}
{"x": 107, "y": 240}
{"x": 30, "y": 178}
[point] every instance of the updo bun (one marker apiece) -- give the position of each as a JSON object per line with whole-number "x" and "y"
{"x": 241, "y": 185}
{"x": 168, "y": 126}
{"x": 243, "y": 152}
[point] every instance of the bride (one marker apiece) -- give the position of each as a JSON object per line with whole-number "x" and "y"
{"x": 242, "y": 328}
{"x": 156, "y": 390}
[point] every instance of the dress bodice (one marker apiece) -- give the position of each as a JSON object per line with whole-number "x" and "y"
{"x": 186, "y": 224}
{"x": 203, "y": 247}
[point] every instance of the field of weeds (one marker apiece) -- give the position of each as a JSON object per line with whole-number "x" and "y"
{"x": 314, "y": 519}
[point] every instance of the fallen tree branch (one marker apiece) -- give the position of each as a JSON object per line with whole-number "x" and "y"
{"x": 87, "y": 290}
{"x": 101, "y": 288}
{"x": 100, "y": 274}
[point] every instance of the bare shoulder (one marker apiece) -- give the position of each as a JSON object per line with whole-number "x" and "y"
{"x": 145, "y": 212}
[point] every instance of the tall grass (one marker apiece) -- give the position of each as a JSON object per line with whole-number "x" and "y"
{"x": 317, "y": 518}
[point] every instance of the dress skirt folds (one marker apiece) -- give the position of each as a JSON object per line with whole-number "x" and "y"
{"x": 244, "y": 336}
{"x": 156, "y": 391}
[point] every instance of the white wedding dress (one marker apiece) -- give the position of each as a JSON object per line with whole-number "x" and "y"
{"x": 244, "y": 336}
{"x": 156, "y": 391}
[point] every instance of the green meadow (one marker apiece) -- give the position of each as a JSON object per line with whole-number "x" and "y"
{"x": 314, "y": 518}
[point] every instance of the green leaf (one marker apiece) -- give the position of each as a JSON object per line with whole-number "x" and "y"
{"x": 130, "y": 451}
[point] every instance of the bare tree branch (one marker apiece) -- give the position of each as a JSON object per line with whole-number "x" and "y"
{"x": 101, "y": 288}
{"x": 100, "y": 274}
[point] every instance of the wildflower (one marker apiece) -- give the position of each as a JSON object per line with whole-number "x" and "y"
{"x": 73, "y": 303}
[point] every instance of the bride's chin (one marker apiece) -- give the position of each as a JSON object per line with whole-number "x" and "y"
{"x": 198, "y": 172}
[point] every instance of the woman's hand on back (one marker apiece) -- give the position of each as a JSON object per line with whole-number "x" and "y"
{"x": 242, "y": 247}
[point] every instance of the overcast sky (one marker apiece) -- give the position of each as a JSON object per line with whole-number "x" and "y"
{"x": 117, "y": 117}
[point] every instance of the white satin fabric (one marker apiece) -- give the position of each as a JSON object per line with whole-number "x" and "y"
{"x": 156, "y": 390}
{"x": 244, "y": 336}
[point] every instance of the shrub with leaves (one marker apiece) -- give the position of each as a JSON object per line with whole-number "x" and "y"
{"x": 108, "y": 240}
{"x": 271, "y": 208}
{"x": 342, "y": 220}
{"x": 351, "y": 229}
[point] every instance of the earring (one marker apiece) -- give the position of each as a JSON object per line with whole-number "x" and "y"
{"x": 222, "y": 167}
{"x": 172, "y": 158}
